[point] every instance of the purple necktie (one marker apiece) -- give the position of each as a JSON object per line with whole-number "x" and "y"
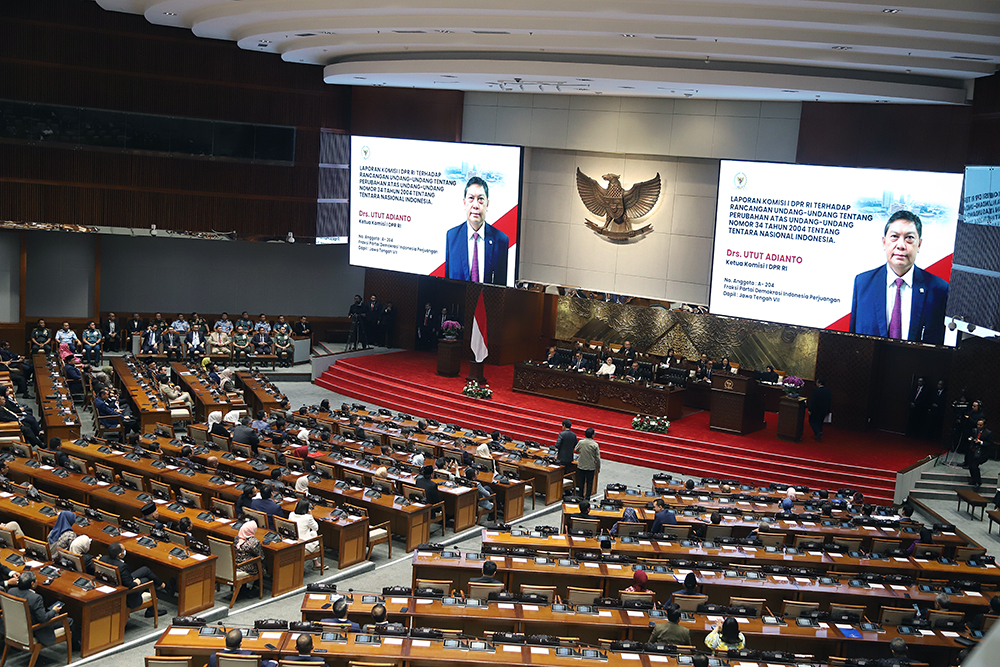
{"x": 475, "y": 258}
{"x": 896, "y": 322}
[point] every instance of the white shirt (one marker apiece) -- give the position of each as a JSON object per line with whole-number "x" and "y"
{"x": 308, "y": 528}
{"x": 606, "y": 369}
{"x": 472, "y": 244}
{"x": 905, "y": 299}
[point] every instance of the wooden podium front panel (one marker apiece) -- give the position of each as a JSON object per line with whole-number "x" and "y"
{"x": 737, "y": 404}
{"x": 791, "y": 418}
{"x": 449, "y": 362}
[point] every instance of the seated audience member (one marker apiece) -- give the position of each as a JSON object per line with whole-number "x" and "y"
{"x": 226, "y": 382}
{"x": 769, "y": 375}
{"x": 41, "y": 339}
{"x": 639, "y": 579}
{"x": 151, "y": 340}
{"x": 81, "y": 547}
{"x": 979, "y": 620}
{"x": 234, "y": 638}
{"x": 690, "y": 587}
{"x": 483, "y": 452}
{"x": 926, "y": 537}
{"x": 248, "y": 547}
{"x": 196, "y": 342}
{"x": 105, "y": 408}
{"x": 340, "y": 608}
{"x": 583, "y": 513}
{"x": 551, "y": 357}
{"x": 172, "y": 342}
{"x": 74, "y": 378}
{"x": 261, "y": 425}
{"x": 304, "y": 646}
{"x": 129, "y": 578}
{"x": 379, "y": 615}
{"x": 218, "y": 341}
{"x": 699, "y": 660}
{"x": 426, "y": 482}
{"x": 283, "y": 348}
{"x": 180, "y": 325}
{"x": 725, "y": 635}
{"x": 215, "y": 424}
{"x": 9, "y": 414}
{"x": 302, "y": 327}
{"x": 607, "y": 369}
{"x": 224, "y": 324}
{"x": 489, "y": 569}
{"x": 307, "y": 528}
{"x": 172, "y": 392}
{"x": 242, "y": 347}
{"x": 245, "y": 499}
{"x": 62, "y": 458}
{"x": 245, "y": 434}
{"x": 671, "y": 632}
{"x": 92, "y": 339}
{"x": 663, "y": 516}
{"x": 634, "y": 373}
{"x": 266, "y": 505}
{"x": 484, "y": 491}
{"x": 20, "y": 371}
{"x": 25, "y": 589}
{"x": 579, "y": 364}
{"x": 261, "y": 342}
{"x": 62, "y": 534}
{"x": 898, "y": 651}
{"x": 67, "y": 337}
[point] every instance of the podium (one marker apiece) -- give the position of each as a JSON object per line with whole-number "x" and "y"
{"x": 450, "y": 353}
{"x": 737, "y": 404}
{"x": 791, "y": 418}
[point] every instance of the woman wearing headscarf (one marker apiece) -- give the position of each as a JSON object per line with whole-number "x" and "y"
{"x": 248, "y": 547}
{"x": 81, "y": 547}
{"x": 226, "y": 382}
{"x": 725, "y": 635}
{"x": 232, "y": 418}
{"x": 215, "y": 424}
{"x": 308, "y": 529}
{"x": 62, "y": 535}
{"x": 483, "y": 452}
{"x": 302, "y": 486}
{"x": 639, "y": 579}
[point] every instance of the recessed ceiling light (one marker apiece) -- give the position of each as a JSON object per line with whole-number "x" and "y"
{"x": 890, "y": 11}
{"x": 360, "y": 78}
{"x": 169, "y": 14}
{"x": 789, "y": 91}
{"x": 448, "y": 76}
{"x": 627, "y": 87}
{"x": 628, "y": 34}
{"x": 841, "y": 48}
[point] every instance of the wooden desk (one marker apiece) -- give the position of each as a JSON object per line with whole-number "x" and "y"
{"x": 258, "y": 392}
{"x": 58, "y": 414}
{"x": 100, "y": 611}
{"x": 149, "y": 407}
{"x": 737, "y": 404}
{"x": 207, "y": 398}
{"x": 588, "y": 389}
{"x": 973, "y": 500}
{"x": 35, "y": 518}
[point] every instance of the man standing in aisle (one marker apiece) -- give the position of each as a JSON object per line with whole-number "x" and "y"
{"x": 565, "y": 445}
{"x": 588, "y": 464}
{"x": 819, "y": 408}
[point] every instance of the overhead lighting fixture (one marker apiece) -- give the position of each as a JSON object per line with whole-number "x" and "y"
{"x": 152, "y": 230}
{"x": 890, "y": 11}
{"x": 680, "y": 39}
{"x": 289, "y": 238}
{"x": 628, "y": 35}
{"x": 170, "y": 13}
{"x": 789, "y": 91}
{"x": 841, "y": 48}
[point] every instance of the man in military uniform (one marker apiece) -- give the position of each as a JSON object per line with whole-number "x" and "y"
{"x": 245, "y": 322}
{"x": 159, "y": 323}
{"x": 92, "y": 339}
{"x": 261, "y": 342}
{"x": 68, "y": 336}
{"x": 200, "y": 323}
{"x": 41, "y": 339}
{"x": 282, "y": 326}
{"x": 283, "y": 348}
{"x": 218, "y": 341}
{"x": 225, "y": 324}
{"x": 241, "y": 346}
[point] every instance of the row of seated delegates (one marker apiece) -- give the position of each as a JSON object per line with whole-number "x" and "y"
{"x": 18, "y": 367}
{"x": 11, "y": 411}
{"x": 62, "y": 536}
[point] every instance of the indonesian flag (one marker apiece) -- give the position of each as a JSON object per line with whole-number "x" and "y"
{"x": 479, "y": 331}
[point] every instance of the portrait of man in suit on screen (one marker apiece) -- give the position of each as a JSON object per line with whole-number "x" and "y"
{"x": 476, "y": 250}
{"x": 900, "y": 300}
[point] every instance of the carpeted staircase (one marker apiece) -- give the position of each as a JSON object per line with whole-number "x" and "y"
{"x": 541, "y": 421}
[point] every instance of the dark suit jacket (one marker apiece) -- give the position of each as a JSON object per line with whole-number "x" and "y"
{"x": 39, "y": 614}
{"x": 430, "y": 489}
{"x": 151, "y": 339}
{"x": 133, "y": 600}
{"x": 202, "y": 339}
{"x": 105, "y": 330}
{"x": 172, "y": 339}
{"x": 212, "y": 662}
{"x": 495, "y": 247}
{"x": 926, "y": 309}
{"x": 565, "y": 444}
{"x": 582, "y": 364}
{"x": 269, "y": 507}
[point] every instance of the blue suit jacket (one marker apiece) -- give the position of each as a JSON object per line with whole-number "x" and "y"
{"x": 495, "y": 246}
{"x": 930, "y": 294}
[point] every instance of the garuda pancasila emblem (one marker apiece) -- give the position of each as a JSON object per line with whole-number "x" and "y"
{"x": 618, "y": 205}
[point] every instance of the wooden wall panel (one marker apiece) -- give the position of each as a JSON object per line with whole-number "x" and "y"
{"x": 891, "y": 136}
{"x": 846, "y": 363}
{"x": 407, "y": 113}
{"x": 975, "y": 368}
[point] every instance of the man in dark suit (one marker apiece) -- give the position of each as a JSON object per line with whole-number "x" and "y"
{"x": 195, "y": 340}
{"x": 634, "y": 373}
{"x": 9, "y": 415}
{"x": 25, "y": 590}
{"x": 579, "y": 363}
{"x": 172, "y": 344}
{"x": 899, "y": 299}
{"x": 373, "y": 321}
{"x": 105, "y": 409}
{"x": 111, "y": 329}
{"x": 304, "y": 645}
{"x": 980, "y": 450}
{"x": 919, "y": 399}
{"x": 244, "y": 434}
{"x": 628, "y": 352}
{"x": 261, "y": 342}
{"x": 475, "y": 250}
{"x": 388, "y": 323}
{"x": 233, "y": 640}
{"x": 429, "y": 486}
{"x": 819, "y": 408}
{"x": 267, "y": 506}
{"x": 151, "y": 340}
{"x": 662, "y": 516}
{"x": 489, "y": 569}
{"x": 935, "y": 411}
{"x": 565, "y": 444}
{"x": 116, "y": 556}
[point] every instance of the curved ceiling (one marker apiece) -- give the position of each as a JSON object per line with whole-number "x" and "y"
{"x": 919, "y": 51}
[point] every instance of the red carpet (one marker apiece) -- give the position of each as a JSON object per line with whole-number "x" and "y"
{"x": 407, "y": 381}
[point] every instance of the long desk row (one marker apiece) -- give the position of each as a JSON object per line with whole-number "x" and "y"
{"x": 149, "y": 407}
{"x": 339, "y": 648}
{"x": 258, "y": 392}
{"x": 591, "y": 624}
{"x": 720, "y": 585}
{"x": 207, "y": 398}
{"x": 58, "y": 415}
{"x": 922, "y": 568}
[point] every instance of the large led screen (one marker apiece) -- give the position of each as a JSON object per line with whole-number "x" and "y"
{"x": 435, "y": 208}
{"x": 867, "y": 251}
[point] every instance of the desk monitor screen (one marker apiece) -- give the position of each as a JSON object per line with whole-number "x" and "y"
{"x": 415, "y": 206}
{"x": 813, "y": 246}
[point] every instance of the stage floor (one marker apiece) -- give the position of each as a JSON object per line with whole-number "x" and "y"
{"x": 874, "y": 451}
